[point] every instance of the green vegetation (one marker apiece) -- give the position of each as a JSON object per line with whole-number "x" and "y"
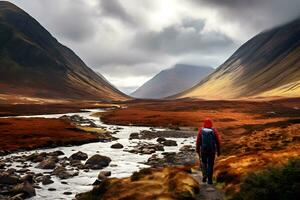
{"x": 276, "y": 183}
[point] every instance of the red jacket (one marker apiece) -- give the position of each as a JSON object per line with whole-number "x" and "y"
{"x": 208, "y": 124}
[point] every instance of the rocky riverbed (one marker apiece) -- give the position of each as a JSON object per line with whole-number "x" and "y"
{"x": 62, "y": 172}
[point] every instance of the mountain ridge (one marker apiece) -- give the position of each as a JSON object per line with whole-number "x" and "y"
{"x": 34, "y": 63}
{"x": 171, "y": 81}
{"x": 267, "y": 61}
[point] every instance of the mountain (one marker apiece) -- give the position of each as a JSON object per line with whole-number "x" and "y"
{"x": 172, "y": 81}
{"x": 267, "y": 65}
{"x": 33, "y": 63}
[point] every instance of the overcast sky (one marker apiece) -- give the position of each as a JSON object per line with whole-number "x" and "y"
{"x": 129, "y": 41}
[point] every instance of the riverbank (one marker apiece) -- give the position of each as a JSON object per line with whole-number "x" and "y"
{"x": 40, "y": 108}
{"x": 127, "y": 150}
{"x": 20, "y": 134}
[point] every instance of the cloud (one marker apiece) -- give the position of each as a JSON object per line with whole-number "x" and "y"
{"x": 113, "y": 8}
{"x": 184, "y": 38}
{"x": 253, "y": 15}
{"x": 71, "y": 20}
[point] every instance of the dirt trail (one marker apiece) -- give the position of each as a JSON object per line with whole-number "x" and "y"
{"x": 207, "y": 192}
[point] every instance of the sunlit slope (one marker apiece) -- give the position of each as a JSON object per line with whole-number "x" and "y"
{"x": 266, "y": 65}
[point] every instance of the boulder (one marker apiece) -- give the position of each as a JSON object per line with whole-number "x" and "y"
{"x": 79, "y": 156}
{"x": 49, "y": 163}
{"x": 161, "y": 139}
{"x": 46, "y": 180}
{"x": 25, "y": 188}
{"x": 62, "y": 173}
{"x": 97, "y": 162}
{"x": 134, "y": 136}
{"x": 36, "y": 157}
{"x": 187, "y": 148}
{"x": 28, "y": 178}
{"x": 148, "y": 151}
{"x": 169, "y": 143}
{"x": 76, "y": 163}
{"x": 8, "y": 179}
{"x": 117, "y": 146}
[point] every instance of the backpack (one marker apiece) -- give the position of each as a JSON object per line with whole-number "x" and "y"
{"x": 208, "y": 140}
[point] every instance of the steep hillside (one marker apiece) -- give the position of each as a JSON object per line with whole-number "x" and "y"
{"x": 266, "y": 65}
{"x": 172, "y": 81}
{"x": 33, "y": 63}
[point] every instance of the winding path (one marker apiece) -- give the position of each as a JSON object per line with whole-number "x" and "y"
{"x": 207, "y": 192}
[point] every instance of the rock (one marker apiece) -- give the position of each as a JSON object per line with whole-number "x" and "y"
{"x": 146, "y": 148}
{"x": 8, "y": 179}
{"x": 23, "y": 170}
{"x": 187, "y": 148}
{"x": 67, "y": 193}
{"x": 117, "y": 146}
{"x": 103, "y": 175}
{"x": 56, "y": 153}
{"x": 76, "y": 163}
{"x": 106, "y": 173}
{"x": 161, "y": 139}
{"x": 169, "y": 143}
{"x": 79, "y": 156}
{"x": 36, "y": 157}
{"x": 25, "y": 188}
{"x": 2, "y": 165}
{"x": 64, "y": 182}
{"x": 27, "y": 178}
{"x": 49, "y": 163}
{"x": 46, "y": 180}
{"x": 134, "y": 136}
{"x": 4, "y": 152}
{"x": 62, "y": 172}
{"x": 11, "y": 171}
{"x": 97, "y": 162}
{"x": 51, "y": 189}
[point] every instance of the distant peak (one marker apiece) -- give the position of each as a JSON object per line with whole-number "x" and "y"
{"x": 181, "y": 65}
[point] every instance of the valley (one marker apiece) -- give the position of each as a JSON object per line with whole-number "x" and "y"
{"x": 254, "y": 135}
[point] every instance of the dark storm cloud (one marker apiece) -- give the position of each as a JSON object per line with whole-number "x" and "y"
{"x": 184, "y": 38}
{"x": 255, "y": 15}
{"x": 114, "y": 8}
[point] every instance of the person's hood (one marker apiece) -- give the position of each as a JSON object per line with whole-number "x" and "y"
{"x": 207, "y": 123}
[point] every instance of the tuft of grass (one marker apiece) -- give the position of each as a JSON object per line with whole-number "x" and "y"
{"x": 276, "y": 183}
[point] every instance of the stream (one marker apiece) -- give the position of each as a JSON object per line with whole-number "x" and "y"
{"x": 123, "y": 163}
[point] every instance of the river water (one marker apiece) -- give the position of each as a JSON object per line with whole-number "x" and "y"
{"x": 123, "y": 163}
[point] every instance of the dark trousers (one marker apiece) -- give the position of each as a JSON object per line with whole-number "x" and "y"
{"x": 207, "y": 165}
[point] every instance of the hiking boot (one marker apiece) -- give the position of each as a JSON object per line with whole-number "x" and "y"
{"x": 204, "y": 179}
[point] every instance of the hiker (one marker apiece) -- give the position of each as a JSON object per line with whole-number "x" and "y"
{"x": 207, "y": 145}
